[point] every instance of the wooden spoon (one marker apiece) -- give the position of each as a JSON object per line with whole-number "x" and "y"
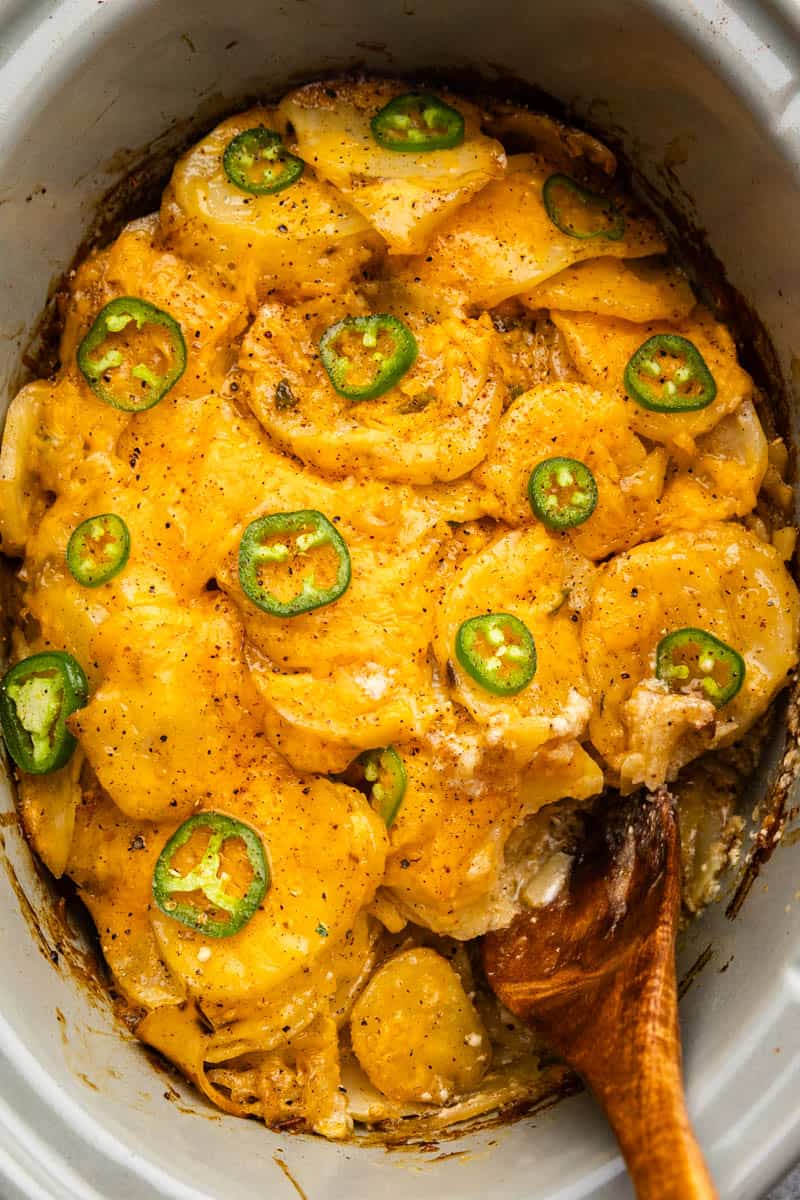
{"x": 595, "y": 974}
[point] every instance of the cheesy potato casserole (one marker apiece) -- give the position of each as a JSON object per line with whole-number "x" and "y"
{"x": 395, "y": 497}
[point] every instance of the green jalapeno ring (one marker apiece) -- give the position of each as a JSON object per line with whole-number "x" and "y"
{"x": 388, "y": 370}
{"x": 710, "y": 653}
{"x": 98, "y": 549}
{"x": 253, "y": 553}
{"x": 644, "y": 374}
{"x": 548, "y": 483}
{"x": 590, "y": 200}
{"x": 37, "y": 695}
{"x": 417, "y": 123}
{"x": 205, "y": 878}
{"x": 254, "y": 147}
{"x": 381, "y": 775}
{"x": 497, "y": 650}
{"x": 114, "y": 318}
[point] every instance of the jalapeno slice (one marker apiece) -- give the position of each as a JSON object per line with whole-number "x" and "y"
{"x": 291, "y": 563}
{"x": 669, "y": 374}
{"x": 690, "y": 656}
{"x": 562, "y": 492}
{"x": 498, "y": 651}
{"x": 381, "y": 775}
{"x": 418, "y": 121}
{"x": 193, "y": 885}
{"x": 366, "y": 356}
{"x": 133, "y": 354}
{"x": 98, "y": 549}
{"x": 579, "y": 212}
{"x": 36, "y": 698}
{"x": 256, "y": 161}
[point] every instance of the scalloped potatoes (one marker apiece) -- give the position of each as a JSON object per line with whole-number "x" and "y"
{"x": 334, "y": 986}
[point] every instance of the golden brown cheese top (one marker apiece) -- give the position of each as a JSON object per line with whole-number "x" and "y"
{"x": 200, "y": 700}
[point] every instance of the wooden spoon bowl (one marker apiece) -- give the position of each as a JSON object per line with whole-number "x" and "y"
{"x": 594, "y": 973}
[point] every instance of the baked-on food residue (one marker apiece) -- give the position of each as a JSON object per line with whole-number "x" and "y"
{"x": 395, "y": 497}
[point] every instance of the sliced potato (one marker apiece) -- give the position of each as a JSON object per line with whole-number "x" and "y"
{"x": 576, "y": 421}
{"x": 309, "y": 901}
{"x": 173, "y": 716}
{"x": 179, "y": 1033}
{"x": 721, "y": 579}
{"x": 47, "y": 805}
{"x": 641, "y": 493}
{"x": 416, "y": 1033}
{"x": 564, "y": 771}
{"x": 111, "y": 859}
{"x": 305, "y": 240}
{"x": 20, "y": 487}
{"x": 392, "y": 544}
{"x": 640, "y": 290}
{"x": 326, "y": 986}
{"x": 321, "y": 722}
{"x": 461, "y": 803}
{"x": 209, "y": 315}
{"x": 221, "y": 467}
{"x": 352, "y": 674}
{"x": 504, "y": 244}
{"x": 707, "y": 794}
{"x": 724, "y": 478}
{"x": 326, "y": 850}
{"x": 404, "y": 196}
{"x": 565, "y": 146}
{"x": 129, "y": 946}
{"x": 69, "y": 614}
{"x": 293, "y": 1084}
{"x": 540, "y": 580}
{"x": 42, "y": 448}
{"x": 531, "y": 350}
{"x": 75, "y": 429}
{"x": 437, "y": 423}
{"x": 601, "y": 348}
{"x": 448, "y": 865}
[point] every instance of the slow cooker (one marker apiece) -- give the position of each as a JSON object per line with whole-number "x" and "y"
{"x": 703, "y": 97}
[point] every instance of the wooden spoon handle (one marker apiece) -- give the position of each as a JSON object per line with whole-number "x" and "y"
{"x": 636, "y": 1076}
{"x": 596, "y": 976}
{"x": 663, "y": 1157}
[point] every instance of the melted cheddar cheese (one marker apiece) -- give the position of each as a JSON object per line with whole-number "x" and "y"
{"x": 348, "y": 994}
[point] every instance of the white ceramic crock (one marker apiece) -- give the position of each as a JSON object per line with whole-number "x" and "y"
{"x": 713, "y": 88}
